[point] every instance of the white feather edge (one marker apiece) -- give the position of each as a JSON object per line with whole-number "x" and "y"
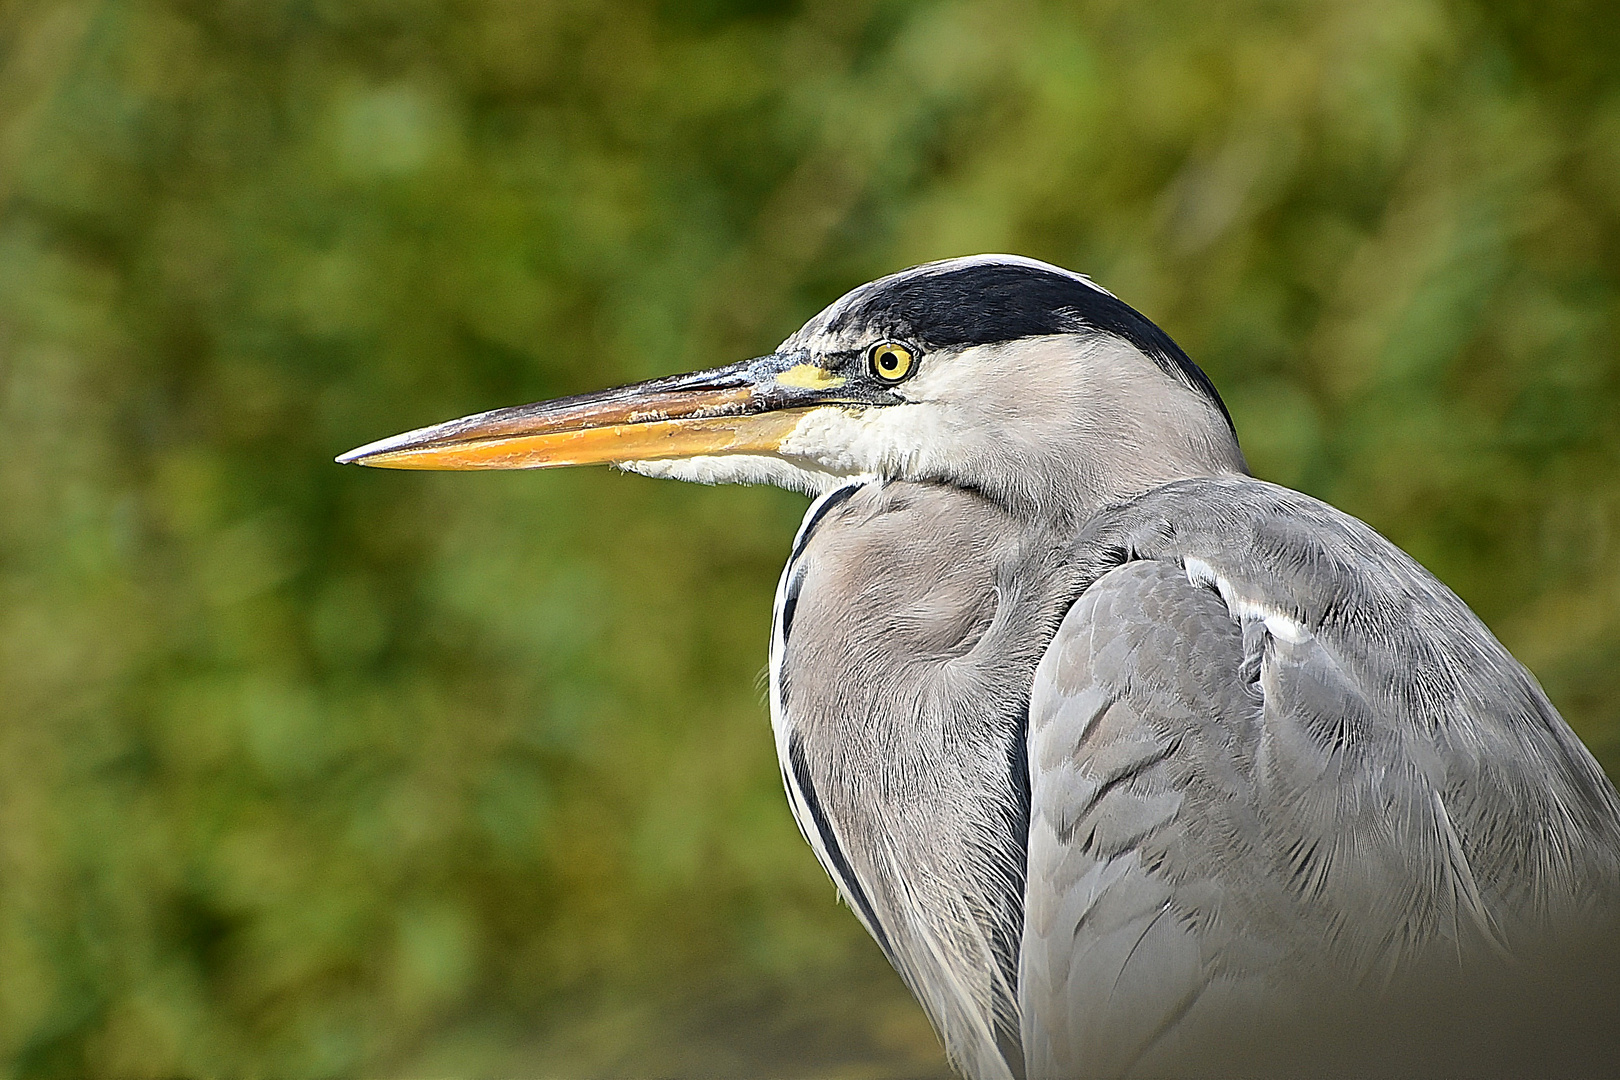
{"x": 1278, "y": 623}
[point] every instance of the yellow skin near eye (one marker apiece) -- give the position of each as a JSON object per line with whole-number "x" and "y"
{"x": 891, "y": 362}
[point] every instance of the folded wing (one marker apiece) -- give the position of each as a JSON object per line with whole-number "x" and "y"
{"x": 1271, "y": 758}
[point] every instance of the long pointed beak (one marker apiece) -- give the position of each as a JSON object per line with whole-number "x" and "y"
{"x": 746, "y": 408}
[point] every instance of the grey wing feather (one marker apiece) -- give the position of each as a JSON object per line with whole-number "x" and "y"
{"x": 1268, "y": 752}
{"x": 1113, "y": 954}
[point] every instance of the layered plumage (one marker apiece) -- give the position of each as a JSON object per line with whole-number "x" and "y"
{"x": 1131, "y": 764}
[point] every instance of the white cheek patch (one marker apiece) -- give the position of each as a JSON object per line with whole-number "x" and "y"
{"x": 735, "y": 469}
{"x": 887, "y": 440}
{"x": 1280, "y": 625}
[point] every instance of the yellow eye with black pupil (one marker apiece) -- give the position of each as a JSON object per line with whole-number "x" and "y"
{"x": 891, "y": 362}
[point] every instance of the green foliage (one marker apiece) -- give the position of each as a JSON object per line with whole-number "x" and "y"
{"x": 308, "y": 770}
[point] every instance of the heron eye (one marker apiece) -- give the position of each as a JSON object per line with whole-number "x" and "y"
{"x": 892, "y": 361}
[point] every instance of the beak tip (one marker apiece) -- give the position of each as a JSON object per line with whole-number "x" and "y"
{"x": 364, "y": 455}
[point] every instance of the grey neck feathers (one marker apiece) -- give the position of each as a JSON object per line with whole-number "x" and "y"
{"x": 910, "y": 624}
{"x": 1055, "y": 428}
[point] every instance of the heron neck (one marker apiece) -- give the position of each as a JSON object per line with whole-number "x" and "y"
{"x": 1107, "y": 424}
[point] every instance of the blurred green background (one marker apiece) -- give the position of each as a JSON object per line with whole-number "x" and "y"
{"x": 309, "y": 770}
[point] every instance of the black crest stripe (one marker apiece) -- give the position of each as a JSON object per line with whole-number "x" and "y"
{"x": 989, "y": 302}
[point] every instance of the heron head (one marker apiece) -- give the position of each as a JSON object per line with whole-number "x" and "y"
{"x": 997, "y": 373}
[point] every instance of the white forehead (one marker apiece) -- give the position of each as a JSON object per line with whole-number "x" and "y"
{"x": 814, "y": 332}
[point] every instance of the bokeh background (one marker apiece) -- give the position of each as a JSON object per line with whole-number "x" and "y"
{"x": 309, "y": 770}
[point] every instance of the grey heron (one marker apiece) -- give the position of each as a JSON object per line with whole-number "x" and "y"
{"x": 1107, "y": 743}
